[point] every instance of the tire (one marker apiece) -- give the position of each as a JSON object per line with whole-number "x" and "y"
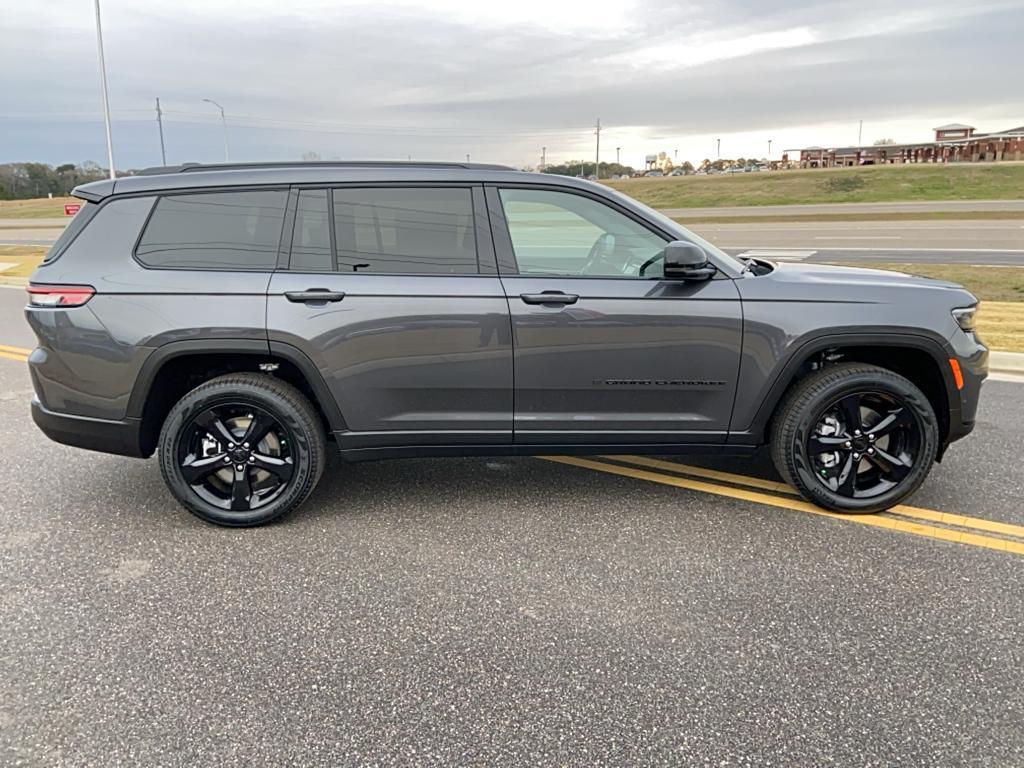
{"x": 220, "y": 476}
{"x": 882, "y": 464}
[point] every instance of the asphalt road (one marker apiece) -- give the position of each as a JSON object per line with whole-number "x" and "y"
{"x": 505, "y": 612}
{"x": 847, "y": 208}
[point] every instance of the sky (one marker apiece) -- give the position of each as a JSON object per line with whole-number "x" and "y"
{"x": 440, "y": 79}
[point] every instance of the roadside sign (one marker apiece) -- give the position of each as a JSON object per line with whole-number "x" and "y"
{"x": 70, "y": 209}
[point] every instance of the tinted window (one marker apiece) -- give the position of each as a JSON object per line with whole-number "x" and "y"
{"x": 216, "y": 230}
{"x": 405, "y": 231}
{"x": 559, "y": 233}
{"x": 311, "y": 238}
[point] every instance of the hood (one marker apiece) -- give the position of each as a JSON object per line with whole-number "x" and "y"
{"x": 826, "y": 274}
{"x": 798, "y": 281}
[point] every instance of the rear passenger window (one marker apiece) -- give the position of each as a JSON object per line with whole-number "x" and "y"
{"x": 405, "y": 231}
{"x": 214, "y": 230}
{"x": 311, "y": 238}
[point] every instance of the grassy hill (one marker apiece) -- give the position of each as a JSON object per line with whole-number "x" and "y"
{"x": 39, "y": 208}
{"x": 869, "y": 184}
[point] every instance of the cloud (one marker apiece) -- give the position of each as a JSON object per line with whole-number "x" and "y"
{"x": 444, "y": 78}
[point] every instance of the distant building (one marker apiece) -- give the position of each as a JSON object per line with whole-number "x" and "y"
{"x": 954, "y": 143}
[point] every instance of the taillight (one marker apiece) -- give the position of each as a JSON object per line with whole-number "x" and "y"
{"x": 59, "y": 295}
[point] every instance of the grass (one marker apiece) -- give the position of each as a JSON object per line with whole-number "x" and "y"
{"x": 39, "y": 208}
{"x": 868, "y": 184}
{"x": 26, "y": 257}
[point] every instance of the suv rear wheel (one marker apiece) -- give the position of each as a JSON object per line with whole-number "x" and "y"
{"x": 855, "y": 438}
{"x": 242, "y": 449}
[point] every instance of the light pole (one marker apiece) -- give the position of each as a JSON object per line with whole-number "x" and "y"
{"x": 224, "y": 122}
{"x": 718, "y": 150}
{"x": 617, "y": 150}
{"x": 769, "y": 150}
{"x": 103, "y": 82}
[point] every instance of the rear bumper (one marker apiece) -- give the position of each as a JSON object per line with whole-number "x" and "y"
{"x": 120, "y": 437}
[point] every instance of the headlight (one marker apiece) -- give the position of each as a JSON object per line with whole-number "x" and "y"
{"x": 965, "y": 317}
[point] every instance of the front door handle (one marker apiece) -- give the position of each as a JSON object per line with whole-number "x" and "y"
{"x": 549, "y": 297}
{"x": 314, "y": 295}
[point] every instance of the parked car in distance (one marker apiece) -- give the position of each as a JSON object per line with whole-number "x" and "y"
{"x": 654, "y": 173}
{"x": 237, "y": 320}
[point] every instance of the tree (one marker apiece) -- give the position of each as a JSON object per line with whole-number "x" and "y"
{"x": 688, "y": 166}
{"x": 883, "y": 142}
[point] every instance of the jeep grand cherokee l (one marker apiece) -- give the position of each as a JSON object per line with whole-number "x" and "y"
{"x": 237, "y": 318}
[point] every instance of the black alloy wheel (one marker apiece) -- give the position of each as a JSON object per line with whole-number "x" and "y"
{"x": 854, "y": 438}
{"x": 242, "y": 449}
{"x": 236, "y": 456}
{"x": 863, "y": 444}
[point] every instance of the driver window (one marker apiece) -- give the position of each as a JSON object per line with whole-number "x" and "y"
{"x": 559, "y": 233}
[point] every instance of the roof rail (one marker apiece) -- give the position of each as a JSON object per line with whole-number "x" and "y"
{"x": 188, "y": 167}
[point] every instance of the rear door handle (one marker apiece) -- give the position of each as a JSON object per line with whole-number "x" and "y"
{"x": 314, "y": 295}
{"x": 549, "y": 297}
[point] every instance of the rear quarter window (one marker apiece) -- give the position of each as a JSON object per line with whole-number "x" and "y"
{"x": 214, "y": 230}
{"x": 76, "y": 225}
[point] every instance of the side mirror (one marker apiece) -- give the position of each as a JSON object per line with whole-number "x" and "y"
{"x": 686, "y": 261}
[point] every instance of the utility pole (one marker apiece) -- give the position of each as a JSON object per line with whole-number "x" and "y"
{"x": 103, "y": 82}
{"x": 160, "y": 125}
{"x": 597, "y": 150}
{"x": 617, "y": 150}
{"x": 718, "y": 151}
{"x": 860, "y": 130}
{"x": 224, "y": 122}
{"x": 543, "y": 158}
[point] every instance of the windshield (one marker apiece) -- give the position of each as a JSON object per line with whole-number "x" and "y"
{"x": 682, "y": 232}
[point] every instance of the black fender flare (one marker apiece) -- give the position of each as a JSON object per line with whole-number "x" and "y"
{"x": 934, "y": 346}
{"x": 254, "y": 347}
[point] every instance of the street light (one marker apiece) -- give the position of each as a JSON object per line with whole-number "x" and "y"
{"x": 224, "y": 122}
{"x": 769, "y": 149}
{"x": 617, "y": 150}
{"x": 103, "y": 82}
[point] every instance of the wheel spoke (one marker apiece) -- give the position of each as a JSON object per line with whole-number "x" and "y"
{"x": 894, "y": 468}
{"x": 259, "y": 427}
{"x": 825, "y": 443}
{"x": 895, "y": 419}
{"x": 196, "y": 470}
{"x": 282, "y": 468}
{"x": 241, "y": 490}
{"x": 211, "y": 422}
{"x": 846, "y": 483}
{"x": 849, "y": 409}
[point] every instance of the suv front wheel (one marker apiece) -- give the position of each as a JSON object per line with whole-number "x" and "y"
{"x": 242, "y": 449}
{"x": 855, "y": 438}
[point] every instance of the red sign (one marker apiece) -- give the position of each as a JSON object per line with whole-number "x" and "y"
{"x": 70, "y": 209}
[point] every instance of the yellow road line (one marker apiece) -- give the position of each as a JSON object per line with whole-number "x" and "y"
{"x": 918, "y": 513}
{"x": 875, "y": 521}
{"x": 12, "y": 356}
{"x": 15, "y": 350}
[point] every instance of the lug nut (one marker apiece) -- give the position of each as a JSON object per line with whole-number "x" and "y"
{"x": 871, "y": 438}
{"x": 227, "y": 459}
{"x": 245, "y": 445}
{"x": 231, "y": 445}
{"x": 871, "y": 450}
{"x": 856, "y": 456}
{"x": 240, "y": 467}
{"x": 856, "y": 433}
{"x": 848, "y": 444}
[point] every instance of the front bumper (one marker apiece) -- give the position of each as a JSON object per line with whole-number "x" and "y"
{"x": 120, "y": 437}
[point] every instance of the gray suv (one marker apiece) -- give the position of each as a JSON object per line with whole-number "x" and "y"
{"x": 237, "y": 318}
